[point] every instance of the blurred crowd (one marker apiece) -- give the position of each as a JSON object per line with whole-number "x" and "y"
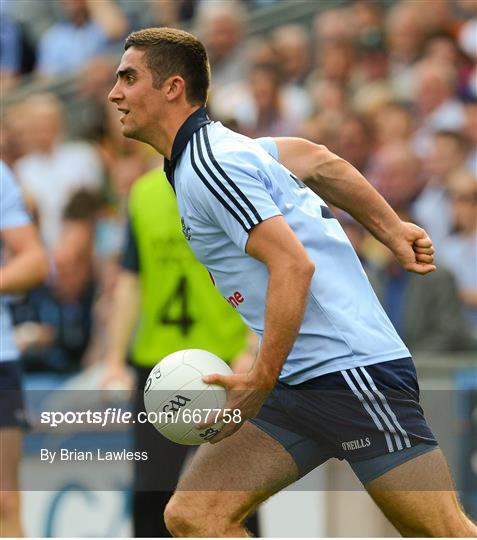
{"x": 389, "y": 86}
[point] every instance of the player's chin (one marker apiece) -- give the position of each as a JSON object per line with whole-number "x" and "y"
{"x": 127, "y": 131}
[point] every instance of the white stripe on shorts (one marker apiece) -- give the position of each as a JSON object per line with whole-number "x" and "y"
{"x": 385, "y": 403}
{"x": 371, "y": 413}
{"x": 377, "y": 408}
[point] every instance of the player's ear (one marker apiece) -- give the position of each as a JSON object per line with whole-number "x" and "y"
{"x": 175, "y": 87}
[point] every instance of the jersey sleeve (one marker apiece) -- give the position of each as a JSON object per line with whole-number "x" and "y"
{"x": 269, "y": 145}
{"x": 12, "y": 210}
{"x": 130, "y": 253}
{"x": 232, "y": 192}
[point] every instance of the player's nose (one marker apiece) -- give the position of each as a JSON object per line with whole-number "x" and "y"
{"x": 115, "y": 94}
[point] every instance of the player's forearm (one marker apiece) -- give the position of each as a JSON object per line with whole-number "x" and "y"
{"x": 286, "y": 302}
{"x": 339, "y": 183}
{"x": 24, "y": 271}
{"x": 124, "y": 315}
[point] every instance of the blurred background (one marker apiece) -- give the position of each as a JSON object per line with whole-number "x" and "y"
{"x": 391, "y": 86}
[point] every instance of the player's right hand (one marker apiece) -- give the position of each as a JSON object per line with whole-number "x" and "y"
{"x": 413, "y": 248}
{"x": 243, "y": 394}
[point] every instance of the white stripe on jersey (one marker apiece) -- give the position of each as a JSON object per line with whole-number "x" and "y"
{"x": 219, "y": 183}
{"x": 226, "y": 177}
{"x": 371, "y": 413}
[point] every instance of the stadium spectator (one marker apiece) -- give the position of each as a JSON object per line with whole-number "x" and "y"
{"x": 397, "y": 175}
{"x": 171, "y": 12}
{"x": 54, "y": 170}
{"x": 324, "y": 127}
{"x": 427, "y": 314}
{"x": 262, "y": 96}
{"x": 393, "y": 123}
{"x": 371, "y": 82}
{"x": 123, "y": 172}
{"x": 328, "y": 96}
{"x": 292, "y": 45}
{"x": 334, "y": 60}
{"x": 435, "y": 101}
{"x": 405, "y": 32}
{"x": 449, "y": 152}
{"x": 264, "y": 107}
{"x": 459, "y": 252}
{"x": 442, "y": 47}
{"x": 372, "y": 60}
{"x": 96, "y": 75}
{"x": 367, "y": 17}
{"x": 333, "y": 25}
{"x": 87, "y": 29}
{"x": 441, "y": 18}
{"x": 356, "y": 142}
{"x": 221, "y": 25}
{"x": 54, "y": 322}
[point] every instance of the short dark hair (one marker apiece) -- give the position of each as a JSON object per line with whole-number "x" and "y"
{"x": 169, "y": 51}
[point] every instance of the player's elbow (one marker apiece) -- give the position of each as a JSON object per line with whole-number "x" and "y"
{"x": 308, "y": 269}
{"x": 301, "y": 268}
{"x": 320, "y": 161}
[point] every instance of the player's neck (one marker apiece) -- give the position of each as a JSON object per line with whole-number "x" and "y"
{"x": 169, "y": 129}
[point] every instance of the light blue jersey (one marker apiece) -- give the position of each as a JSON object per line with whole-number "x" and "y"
{"x": 12, "y": 215}
{"x": 225, "y": 185}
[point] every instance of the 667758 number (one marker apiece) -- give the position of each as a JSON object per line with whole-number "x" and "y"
{"x": 197, "y": 416}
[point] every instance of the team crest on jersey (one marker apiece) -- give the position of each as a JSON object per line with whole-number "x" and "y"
{"x": 186, "y": 230}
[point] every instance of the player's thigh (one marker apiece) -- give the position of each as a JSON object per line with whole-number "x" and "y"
{"x": 232, "y": 477}
{"x": 418, "y": 497}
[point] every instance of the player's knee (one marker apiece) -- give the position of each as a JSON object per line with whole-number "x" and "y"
{"x": 173, "y": 518}
{"x": 178, "y": 516}
{"x": 9, "y": 505}
{"x": 188, "y": 515}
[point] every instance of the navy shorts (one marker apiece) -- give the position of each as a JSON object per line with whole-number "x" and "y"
{"x": 366, "y": 415}
{"x": 12, "y": 412}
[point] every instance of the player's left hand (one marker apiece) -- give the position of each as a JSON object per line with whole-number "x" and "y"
{"x": 413, "y": 248}
{"x": 243, "y": 393}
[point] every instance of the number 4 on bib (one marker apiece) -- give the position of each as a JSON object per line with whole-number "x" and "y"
{"x": 175, "y": 309}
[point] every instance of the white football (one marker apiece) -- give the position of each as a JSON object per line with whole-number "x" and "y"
{"x": 176, "y": 398}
